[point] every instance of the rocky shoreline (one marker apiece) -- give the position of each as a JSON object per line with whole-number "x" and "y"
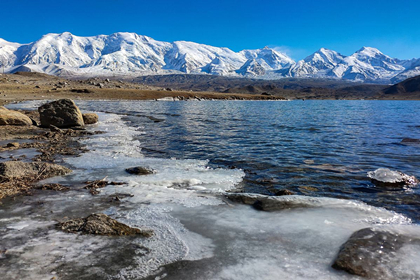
{"x": 60, "y": 125}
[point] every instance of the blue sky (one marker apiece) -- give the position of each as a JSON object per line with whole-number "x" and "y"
{"x": 298, "y": 27}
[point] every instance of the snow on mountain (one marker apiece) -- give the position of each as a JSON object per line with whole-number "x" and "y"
{"x": 131, "y": 54}
{"x": 412, "y": 69}
{"x": 321, "y": 63}
{"x": 367, "y": 64}
{"x": 269, "y": 58}
{"x": 251, "y": 68}
{"x": 8, "y": 53}
{"x": 191, "y": 57}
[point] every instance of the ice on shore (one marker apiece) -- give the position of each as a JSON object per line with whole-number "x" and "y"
{"x": 175, "y": 179}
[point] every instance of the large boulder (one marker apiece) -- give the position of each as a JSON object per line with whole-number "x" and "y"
{"x": 370, "y": 253}
{"x": 385, "y": 177}
{"x": 61, "y": 113}
{"x": 90, "y": 118}
{"x": 19, "y": 170}
{"x": 101, "y": 224}
{"x": 10, "y": 117}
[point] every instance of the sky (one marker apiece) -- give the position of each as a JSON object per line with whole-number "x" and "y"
{"x": 296, "y": 27}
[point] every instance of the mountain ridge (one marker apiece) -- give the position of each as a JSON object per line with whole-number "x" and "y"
{"x": 131, "y": 54}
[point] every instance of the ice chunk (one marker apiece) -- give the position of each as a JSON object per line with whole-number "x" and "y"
{"x": 387, "y": 176}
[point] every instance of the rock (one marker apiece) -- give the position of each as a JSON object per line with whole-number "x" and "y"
{"x": 245, "y": 198}
{"x": 61, "y": 113}
{"x": 284, "y": 192}
{"x": 140, "y": 170}
{"x": 82, "y": 90}
{"x": 10, "y": 117}
{"x": 385, "y": 177}
{"x": 90, "y": 118}
{"x": 41, "y": 170}
{"x": 410, "y": 141}
{"x": 101, "y": 224}
{"x": 53, "y": 128}
{"x": 367, "y": 253}
{"x": 13, "y": 145}
{"x": 276, "y": 203}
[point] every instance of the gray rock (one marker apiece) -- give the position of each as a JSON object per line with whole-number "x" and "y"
{"x": 101, "y": 224}
{"x": 369, "y": 253}
{"x": 276, "y": 203}
{"x": 18, "y": 169}
{"x": 61, "y": 113}
{"x": 10, "y": 117}
{"x": 90, "y": 118}
{"x": 140, "y": 170}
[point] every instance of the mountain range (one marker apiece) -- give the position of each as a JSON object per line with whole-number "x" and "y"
{"x": 130, "y": 54}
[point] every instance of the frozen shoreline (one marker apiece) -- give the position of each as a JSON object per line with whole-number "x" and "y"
{"x": 181, "y": 203}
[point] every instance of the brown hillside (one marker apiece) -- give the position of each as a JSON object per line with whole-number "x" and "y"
{"x": 411, "y": 85}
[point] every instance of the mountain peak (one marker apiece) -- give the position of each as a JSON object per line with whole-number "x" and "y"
{"x": 369, "y": 51}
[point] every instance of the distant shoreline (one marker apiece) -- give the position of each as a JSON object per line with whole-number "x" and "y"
{"x": 35, "y": 86}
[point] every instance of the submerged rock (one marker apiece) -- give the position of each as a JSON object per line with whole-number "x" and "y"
{"x": 276, "y": 203}
{"x": 368, "y": 253}
{"x": 388, "y": 178}
{"x": 140, "y": 170}
{"x": 10, "y": 117}
{"x": 17, "y": 170}
{"x": 90, "y": 118}
{"x": 410, "y": 141}
{"x": 101, "y": 224}
{"x": 61, "y": 113}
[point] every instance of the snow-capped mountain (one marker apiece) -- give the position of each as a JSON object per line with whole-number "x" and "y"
{"x": 132, "y": 54}
{"x": 251, "y": 68}
{"x": 367, "y": 64}
{"x": 268, "y": 58}
{"x": 412, "y": 69}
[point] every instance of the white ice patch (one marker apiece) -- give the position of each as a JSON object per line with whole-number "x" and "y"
{"x": 39, "y": 257}
{"x": 171, "y": 241}
{"x": 294, "y": 243}
{"x": 407, "y": 261}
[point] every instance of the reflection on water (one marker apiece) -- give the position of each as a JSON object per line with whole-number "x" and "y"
{"x": 319, "y": 148}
